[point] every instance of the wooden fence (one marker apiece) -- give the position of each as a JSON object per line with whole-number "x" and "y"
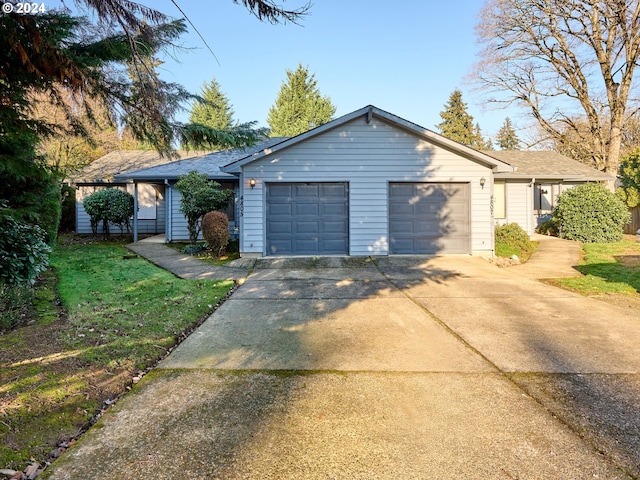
{"x": 632, "y": 227}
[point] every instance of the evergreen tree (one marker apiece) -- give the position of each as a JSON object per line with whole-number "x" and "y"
{"x": 481, "y": 143}
{"x": 507, "y": 138}
{"x": 457, "y": 123}
{"x": 299, "y": 106}
{"x": 214, "y": 109}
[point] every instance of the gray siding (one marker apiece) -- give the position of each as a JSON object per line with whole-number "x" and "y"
{"x": 178, "y": 222}
{"x": 368, "y": 156}
{"x": 519, "y": 204}
{"x": 83, "y": 222}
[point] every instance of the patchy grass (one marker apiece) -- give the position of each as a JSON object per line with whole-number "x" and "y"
{"x": 607, "y": 269}
{"x": 231, "y": 254}
{"x": 121, "y": 315}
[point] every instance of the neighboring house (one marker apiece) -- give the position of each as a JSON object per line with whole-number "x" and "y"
{"x": 367, "y": 183}
{"x": 174, "y": 223}
{"x": 528, "y": 195}
{"x": 101, "y": 174}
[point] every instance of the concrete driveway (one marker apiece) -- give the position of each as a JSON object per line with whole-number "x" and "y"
{"x": 400, "y": 367}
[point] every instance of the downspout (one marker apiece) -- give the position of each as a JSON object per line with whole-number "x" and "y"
{"x": 168, "y": 208}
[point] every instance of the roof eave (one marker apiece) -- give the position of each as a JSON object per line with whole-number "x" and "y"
{"x": 546, "y": 176}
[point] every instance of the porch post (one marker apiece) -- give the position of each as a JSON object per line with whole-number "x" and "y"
{"x": 135, "y": 212}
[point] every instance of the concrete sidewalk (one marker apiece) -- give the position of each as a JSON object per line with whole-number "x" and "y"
{"x": 186, "y": 266}
{"x": 554, "y": 258}
{"x": 387, "y": 368}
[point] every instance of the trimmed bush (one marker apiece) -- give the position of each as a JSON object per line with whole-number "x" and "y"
{"x": 511, "y": 239}
{"x": 24, "y": 252}
{"x": 590, "y": 213}
{"x": 111, "y": 205}
{"x": 199, "y": 196}
{"x": 215, "y": 230}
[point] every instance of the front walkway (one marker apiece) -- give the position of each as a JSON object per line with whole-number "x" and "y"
{"x": 188, "y": 267}
{"x": 554, "y": 258}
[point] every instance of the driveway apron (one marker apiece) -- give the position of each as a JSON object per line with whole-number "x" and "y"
{"x": 399, "y": 367}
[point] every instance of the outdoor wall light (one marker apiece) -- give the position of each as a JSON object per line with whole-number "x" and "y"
{"x": 482, "y": 182}
{"x": 252, "y": 182}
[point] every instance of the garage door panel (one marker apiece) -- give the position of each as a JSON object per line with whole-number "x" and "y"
{"x": 337, "y": 227}
{"x": 335, "y": 209}
{"x": 334, "y": 190}
{"x": 401, "y": 189}
{"x": 308, "y": 227}
{"x": 280, "y": 209}
{"x": 334, "y": 247}
{"x": 401, "y": 227}
{"x": 282, "y": 228}
{"x": 307, "y": 209}
{"x": 400, "y": 209}
{"x": 306, "y": 191}
{"x": 429, "y": 218}
{"x": 281, "y": 190}
{"x": 280, "y": 245}
{"x": 317, "y": 215}
{"x": 309, "y": 245}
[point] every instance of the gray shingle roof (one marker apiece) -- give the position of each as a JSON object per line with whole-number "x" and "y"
{"x": 105, "y": 168}
{"x": 124, "y": 165}
{"x": 209, "y": 163}
{"x": 546, "y": 164}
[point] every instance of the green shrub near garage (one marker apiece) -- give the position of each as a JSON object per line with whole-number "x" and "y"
{"x": 511, "y": 240}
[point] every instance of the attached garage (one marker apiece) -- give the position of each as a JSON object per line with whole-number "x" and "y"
{"x": 368, "y": 183}
{"x": 429, "y": 218}
{"x": 307, "y": 218}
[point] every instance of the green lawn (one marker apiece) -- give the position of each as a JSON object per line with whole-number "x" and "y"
{"x": 208, "y": 256}
{"x": 120, "y": 316}
{"x": 607, "y": 268}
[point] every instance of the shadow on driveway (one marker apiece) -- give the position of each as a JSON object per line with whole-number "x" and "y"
{"x": 400, "y": 368}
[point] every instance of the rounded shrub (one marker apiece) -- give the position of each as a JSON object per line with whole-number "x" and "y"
{"x": 590, "y": 213}
{"x": 511, "y": 239}
{"x": 111, "y": 205}
{"x": 215, "y": 230}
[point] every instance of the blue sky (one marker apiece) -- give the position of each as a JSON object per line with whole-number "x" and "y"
{"x": 405, "y": 57}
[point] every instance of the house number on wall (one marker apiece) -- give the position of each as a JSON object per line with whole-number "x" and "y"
{"x": 242, "y": 205}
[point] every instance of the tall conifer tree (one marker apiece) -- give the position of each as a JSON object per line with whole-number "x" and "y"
{"x": 299, "y": 106}
{"x": 507, "y": 138}
{"x": 457, "y": 124}
{"x": 215, "y": 111}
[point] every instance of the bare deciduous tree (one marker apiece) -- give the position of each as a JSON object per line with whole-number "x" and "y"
{"x": 567, "y": 62}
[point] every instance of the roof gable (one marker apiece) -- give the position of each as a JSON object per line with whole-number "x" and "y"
{"x": 369, "y": 112}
